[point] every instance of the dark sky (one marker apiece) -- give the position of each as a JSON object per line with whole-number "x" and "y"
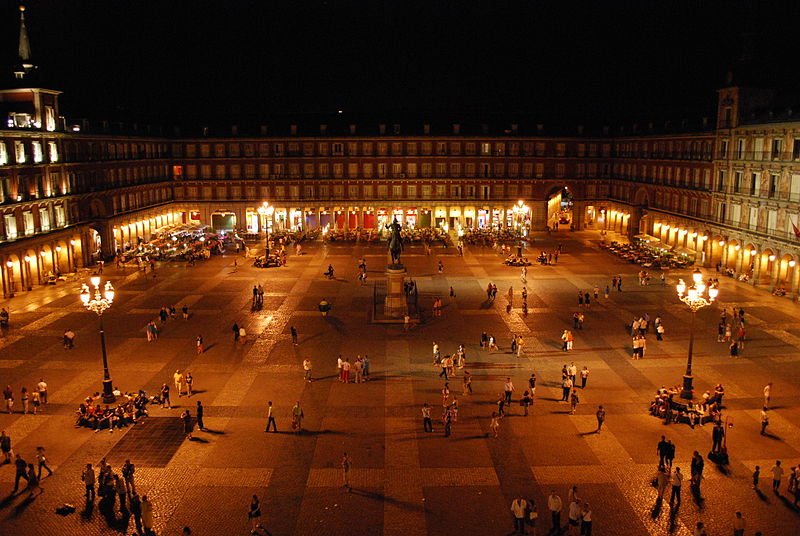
{"x": 195, "y": 60}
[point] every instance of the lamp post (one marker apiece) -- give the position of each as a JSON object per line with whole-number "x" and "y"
{"x": 695, "y": 297}
{"x": 266, "y": 210}
{"x": 98, "y": 302}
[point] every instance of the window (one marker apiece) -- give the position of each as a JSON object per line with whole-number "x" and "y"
{"x": 796, "y": 149}
{"x": 352, "y": 170}
{"x": 397, "y": 191}
{"x": 412, "y": 191}
{"x": 397, "y": 148}
{"x": 338, "y": 170}
{"x": 38, "y": 155}
{"x": 61, "y": 220}
{"x": 233, "y": 149}
{"x": 277, "y": 149}
{"x": 11, "y": 226}
{"x": 455, "y": 191}
{"x": 382, "y": 149}
{"x": 397, "y": 170}
{"x": 382, "y": 170}
{"x": 427, "y": 169}
{"x": 382, "y": 191}
{"x": 581, "y": 149}
{"x": 426, "y": 191}
{"x": 721, "y": 182}
{"x": 486, "y": 148}
{"x": 368, "y": 191}
{"x": 352, "y": 191}
{"x": 539, "y": 148}
{"x": 19, "y": 152}
{"x": 723, "y": 149}
{"x": 205, "y": 150}
{"x": 773, "y": 184}
{"x": 561, "y": 149}
{"x": 27, "y": 219}
{"x": 411, "y": 169}
{"x": 539, "y": 170}
{"x": 740, "y": 148}
{"x": 737, "y": 181}
{"x": 777, "y": 149}
{"x": 49, "y": 119}
{"x": 441, "y": 148}
{"x": 411, "y": 148}
{"x": 441, "y": 169}
{"x": 338, "y": 149}
{"x": 52, "y": 149}
{"x": 441, "y": 190}
{"x": 560, "y": 171}
{"x": 3, "y": 153}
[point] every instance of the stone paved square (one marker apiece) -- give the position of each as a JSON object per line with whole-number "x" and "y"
{"x": 405, "y": 481}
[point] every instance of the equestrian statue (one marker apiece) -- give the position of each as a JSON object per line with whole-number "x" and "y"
{"x": 395, "y": 242}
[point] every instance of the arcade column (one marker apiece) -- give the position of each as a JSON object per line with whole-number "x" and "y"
{"x": 538, "y": 216}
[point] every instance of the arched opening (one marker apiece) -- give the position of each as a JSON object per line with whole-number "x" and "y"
{"x": 749, "y": 255}
{"x": 786, "y": 270}
{"x": 13, "y": 268}
{"x": 61, "y": 257}
{"x": 717, "y": 243}
{"x": 95, "y": 246}
{"x": 47, "y": 264}
{"x": 733, "y": 252}
{"x": 559, "y": 208}
{"x": 31, "y": 268}
{"x": 767, "y": 261}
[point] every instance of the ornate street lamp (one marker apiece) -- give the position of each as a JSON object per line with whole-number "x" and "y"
{"x": 98, "y": 303}
{"x": 695, "y": 297}
{"x": 266, "y": 210}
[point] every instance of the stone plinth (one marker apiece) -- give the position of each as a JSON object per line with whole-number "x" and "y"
{"x": 395, "y": 304}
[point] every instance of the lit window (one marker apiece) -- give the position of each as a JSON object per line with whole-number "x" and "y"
{"x": 52, "y": 148}
{"x": 3, "y": 154}
{"x": 49, "y": 118}
{"x": 19, "y": 149}
{"x": 38, "y": 156}
{"x": 11, "y": 226}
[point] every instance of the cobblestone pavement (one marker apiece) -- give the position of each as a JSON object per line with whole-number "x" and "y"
{"x": 405, "y": 482}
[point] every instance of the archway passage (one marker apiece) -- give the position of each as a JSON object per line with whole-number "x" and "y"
{"x": 559, "y": 208}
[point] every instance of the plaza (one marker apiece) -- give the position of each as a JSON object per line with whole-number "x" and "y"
{"x": 404, "y": 481}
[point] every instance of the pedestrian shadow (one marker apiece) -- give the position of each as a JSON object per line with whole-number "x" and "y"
{"x": 198, "y": 439}
{"x": 213, "y": 432}
{"x": 209, "y": 347}
{"x": 656, "y": 510}
{"x": 787, "y": 504}
{"x": 405, "y": 505}
{"x": 698, "y": 498}
{"x": 20, "y": 508}
{"x": 673, "y": 516}
{"x": 772, "y": 436}
{"x": 567, "y": 412}
{"x": 581, "y": 434}
{"x": 321, "y": 432}
{"x": 760, "y": 495}
{"x": 88, "y": 510}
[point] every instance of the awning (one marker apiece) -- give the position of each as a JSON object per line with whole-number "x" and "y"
{"x": 647, "y": 238}
{"x": 686, "y": 251}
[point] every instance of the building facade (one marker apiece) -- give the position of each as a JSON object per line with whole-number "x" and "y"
{"x": 725, "y": 194}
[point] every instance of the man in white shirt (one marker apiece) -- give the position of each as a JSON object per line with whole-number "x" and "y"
{"x": 767, "y": 394}
{"x": 777, "y": 474}
{"x": 42, "y": 387}
{"x": 573, "y": 372}
{"x": 518, "y": 508}
{"x": 554, "y": 505}
{"x": 574, "y": 517}
{"x": 508, "y": 387}
{"x": 677, "y": 481}
{"x": 307, "y": 369}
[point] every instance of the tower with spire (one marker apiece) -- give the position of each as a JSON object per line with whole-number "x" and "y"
{"x": 24, "y": 105}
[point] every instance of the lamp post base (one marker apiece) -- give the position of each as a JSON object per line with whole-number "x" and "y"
{"x": 688, "y": 388}
{"x": 108, "y": 392}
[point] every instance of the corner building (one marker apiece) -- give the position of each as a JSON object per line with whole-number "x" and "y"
{"x": 724, "y": 193}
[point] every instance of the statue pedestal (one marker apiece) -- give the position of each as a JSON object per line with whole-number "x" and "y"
{"x": 395, "y": 304}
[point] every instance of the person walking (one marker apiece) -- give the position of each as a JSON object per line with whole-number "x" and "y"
{"x": 122, "y": 493}
{"x": 566, "y": 389}
{"x": 147, "y": 514}
{"x": 777, "y": 475}
{"x": 739, "y": 525}
{"x": 42, "y": 388}
{"x": 661, "y": 479}
{"x": 467, "y": 381}
{"x": 586, "y": 520}
{"x": 756, "y": 476}
{"x": 346, "y": 464}
{"x": 41, "y": 462}
{"x": 165, "y": 397}
{"x": 508, "y": 389}
{"x": 21, "y": 467}
{"x": 767, "y": 394}
{"x": 185, "y": 312}
{"x": 5, "y": 446}
{"x": 199, "y": 344}
{"x": 494, "y": 424}
{"x": 697, "y": 466}
{"x": 764, "y": 420}
{"x": 297, "y": 417}
{"x": 235, "y": 329}
{"x": 88, "y": 478}
{"x": 293, "y": 331}
{"x": 270, "y": 418}
{"x": 254, "y": 513}
{"x": 676, "y": 480}
{"x": 135, "y": 508}
{"x": 178, "y": 380}
{"x": 427, "y": 423}
{"x": 519, "y": 507}
{"x": 128, "y": 475}
{"x": 188, "y": 379}
{"x": 525, "y": 402}
{"x": 600, "y": 414}
{"x": 573, "y": 401}
{"x": 584, "y": 376}
{"x": 8, "y": 397}
{"x": 25, "y": 400}
{"x": 188, "y": 425}
{"x": 662, "y": 449}
{"x": 307, "y": 370}
{"x": 555, "y": 505}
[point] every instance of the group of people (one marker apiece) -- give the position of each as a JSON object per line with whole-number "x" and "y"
{"x": 31, "y": 400}
{"x": 112, "y": 487}
{"x": 360, "y": 368}
{"x": 128, "y": 409}
{"x": 707, "y": 409}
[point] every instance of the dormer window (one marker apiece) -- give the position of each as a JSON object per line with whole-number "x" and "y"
{"x": 49, "y": 118}
{"x": 19, "y": 120}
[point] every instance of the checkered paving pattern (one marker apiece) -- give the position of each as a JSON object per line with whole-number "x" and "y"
{"x": 405, "y": 482}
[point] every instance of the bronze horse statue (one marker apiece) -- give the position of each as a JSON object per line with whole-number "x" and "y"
{"x": 395, "y": 242}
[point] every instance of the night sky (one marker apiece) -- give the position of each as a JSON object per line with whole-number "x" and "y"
{"x": 201, "y": 61}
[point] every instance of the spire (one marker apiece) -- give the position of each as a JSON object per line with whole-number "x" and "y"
{"x": 24, "y": 66}
{"x": 24, "y": 43}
